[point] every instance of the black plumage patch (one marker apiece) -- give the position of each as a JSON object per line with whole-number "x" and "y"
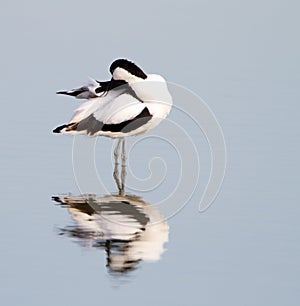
{"x": 129, "y": 66}
{"x": 61, "y": 127}
{"x": 109, "y": 85}
{"x": 91, "y": 125}
{"x": 73, "y": 93}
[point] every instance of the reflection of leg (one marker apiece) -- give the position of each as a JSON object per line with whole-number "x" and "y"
{"x": 123, "y": 173}
{"x": 116, "y": 169}
{"x": 107, "y": 250}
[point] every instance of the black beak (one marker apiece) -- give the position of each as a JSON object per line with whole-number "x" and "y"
{"x": 110, "y": 85}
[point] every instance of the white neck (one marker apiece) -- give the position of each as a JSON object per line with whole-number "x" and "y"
{"x": 153, "y": 91}
{"x": 122, "y": 74}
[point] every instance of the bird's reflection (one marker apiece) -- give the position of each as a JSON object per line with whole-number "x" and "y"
{"x": 127, "y": 228}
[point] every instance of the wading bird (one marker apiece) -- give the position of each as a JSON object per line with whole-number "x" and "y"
{"x": 131, "y": 103}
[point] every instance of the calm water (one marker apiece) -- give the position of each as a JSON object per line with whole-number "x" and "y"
{"x": 243, "y": 60}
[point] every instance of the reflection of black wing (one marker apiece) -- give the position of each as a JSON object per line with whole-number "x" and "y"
{"x": 119, "y": 213}
{"x": 130, "y": 213}
{"x": 120, "y": 226}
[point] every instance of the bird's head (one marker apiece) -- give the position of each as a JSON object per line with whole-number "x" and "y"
{"x": 123, "y": 69}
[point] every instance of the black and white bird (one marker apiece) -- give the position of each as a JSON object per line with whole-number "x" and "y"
{"x": 131, "y": 103}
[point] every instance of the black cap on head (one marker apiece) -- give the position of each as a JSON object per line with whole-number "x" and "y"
{"x": 129, "y": 66}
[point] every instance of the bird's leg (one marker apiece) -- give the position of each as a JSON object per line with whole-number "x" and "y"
{"x": 123, "y": 172}
{"x": 116, "y": 168}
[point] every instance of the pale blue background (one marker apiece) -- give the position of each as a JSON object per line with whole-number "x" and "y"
{"x": 242, "y": 58}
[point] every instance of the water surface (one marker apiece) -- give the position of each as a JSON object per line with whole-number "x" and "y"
{"x": 243, "y": 60}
